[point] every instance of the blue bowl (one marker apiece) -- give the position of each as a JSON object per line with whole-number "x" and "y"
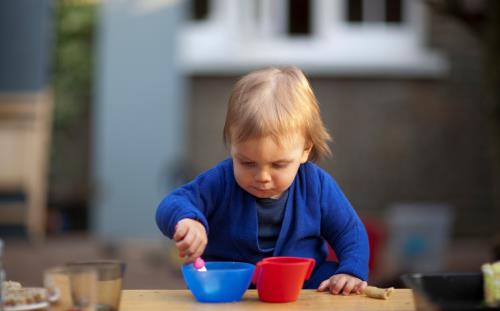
{"x": 222, "y": 282}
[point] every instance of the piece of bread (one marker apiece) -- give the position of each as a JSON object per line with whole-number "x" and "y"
{"x": 379, "y": 293}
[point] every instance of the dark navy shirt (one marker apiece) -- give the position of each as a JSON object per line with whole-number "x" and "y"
{"x": 270, "y": 216}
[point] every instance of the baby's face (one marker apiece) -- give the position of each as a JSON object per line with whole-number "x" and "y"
{"x": 265, "y": 169}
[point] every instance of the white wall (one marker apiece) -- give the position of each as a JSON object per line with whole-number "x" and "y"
{"x": 138, "y": 115}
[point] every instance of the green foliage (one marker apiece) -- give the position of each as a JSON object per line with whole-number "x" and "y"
{"x": 73, "y": 64}
{"x": 73, "y": 75}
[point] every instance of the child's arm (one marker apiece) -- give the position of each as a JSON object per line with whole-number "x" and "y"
{"x": 195, "y": 200}
{"x": 343, "y": 229}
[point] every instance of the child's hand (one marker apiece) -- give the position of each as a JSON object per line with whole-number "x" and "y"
{"x": 343, "y": 283}
{"x": 190, "y": 239}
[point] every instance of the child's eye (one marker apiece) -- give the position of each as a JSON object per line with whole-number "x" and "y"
{"x": 248, "y": 164}
{"x": 280, "y": 165}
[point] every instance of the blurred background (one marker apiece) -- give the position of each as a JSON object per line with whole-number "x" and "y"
{"x": 106, "y": 106}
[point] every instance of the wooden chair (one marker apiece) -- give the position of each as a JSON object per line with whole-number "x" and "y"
{"x": 25, "y": 131}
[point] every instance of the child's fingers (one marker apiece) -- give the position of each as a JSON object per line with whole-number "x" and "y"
{"x": 348, "y": 287}
{"x": 360, "y": 288}
{"x": 324, "y": 285}
{"x": 181, "y": 231}
{"x": 189, "y": 255}
{"x": 357, "y": 289}
{"x": 201, "y": 248}
{"x": 184, "y": 245}
{"x": 190, "y": 239}
{"x": 337, "y": 284}
{"x": 187, "y": 258}
{"x": 191, "y": 258}
{"x": 194, "y": 251}
{"x": 191, "y": 247}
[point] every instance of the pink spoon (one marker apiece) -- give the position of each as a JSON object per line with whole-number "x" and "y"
{"x": 199, "y": 264}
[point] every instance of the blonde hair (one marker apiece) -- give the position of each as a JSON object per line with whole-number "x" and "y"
{"x": 276, "y": 102}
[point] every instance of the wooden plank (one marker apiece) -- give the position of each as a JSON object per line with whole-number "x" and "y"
{"x": 156, "y": 300}
{"x": 25, "y": 131}
{"x": 18, "y": 105}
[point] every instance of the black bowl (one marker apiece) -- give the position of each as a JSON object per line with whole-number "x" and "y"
{"x": 447, "y": 291}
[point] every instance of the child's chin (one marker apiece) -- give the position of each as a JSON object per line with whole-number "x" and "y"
{"x": 265, "y": 194}
{"x": 262, "y": 196}
{"x": 257, "y": 193}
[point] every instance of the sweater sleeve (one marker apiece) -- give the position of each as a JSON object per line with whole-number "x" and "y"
{"x": 343, "y": 229}
{"x": 195, "y": 200}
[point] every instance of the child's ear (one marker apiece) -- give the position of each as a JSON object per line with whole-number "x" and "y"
{"x": 305, "y": 153}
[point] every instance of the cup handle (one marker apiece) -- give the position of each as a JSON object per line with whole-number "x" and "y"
{"x": 312, "y": 263}
{"x": 255, "y": 275}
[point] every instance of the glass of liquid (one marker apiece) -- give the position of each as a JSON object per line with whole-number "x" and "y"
{"x": 109, "y": 281}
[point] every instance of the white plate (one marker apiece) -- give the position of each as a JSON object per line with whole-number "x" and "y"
{"x": 36, "y": 305}
{"x": 31, "y": 306}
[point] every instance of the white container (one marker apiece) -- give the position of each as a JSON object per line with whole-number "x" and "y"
{"x": 419, "y": 236}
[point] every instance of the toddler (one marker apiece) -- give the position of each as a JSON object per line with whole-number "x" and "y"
{"x": 269, "y": 198}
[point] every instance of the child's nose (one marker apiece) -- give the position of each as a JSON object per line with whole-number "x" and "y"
{"x": 263, "y": 176}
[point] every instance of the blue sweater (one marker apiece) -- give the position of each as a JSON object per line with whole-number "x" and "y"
{"x": 316, "y": 210}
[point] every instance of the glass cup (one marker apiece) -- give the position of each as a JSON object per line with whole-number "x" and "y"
{"x": 109, "y": 281}
{"x": 71, "y": 288}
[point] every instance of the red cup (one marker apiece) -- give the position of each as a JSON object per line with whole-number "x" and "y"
{"x": 280, "y": 279}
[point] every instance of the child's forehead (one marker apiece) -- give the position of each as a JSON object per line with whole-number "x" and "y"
{"x": 282, "y": 141}
{"x": 287, "y": 139}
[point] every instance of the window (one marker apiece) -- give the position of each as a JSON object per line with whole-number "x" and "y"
{"x": 354, "y": 11}
{"x": 333, "y": 37}
{"x": 393, "y": 11}
{"x": 299, "y": 17}
{"x": 374, "y": 11}
{"x": 199, "y": 9}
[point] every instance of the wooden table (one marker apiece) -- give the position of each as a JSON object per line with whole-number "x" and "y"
{"x": 161, "y": 300}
